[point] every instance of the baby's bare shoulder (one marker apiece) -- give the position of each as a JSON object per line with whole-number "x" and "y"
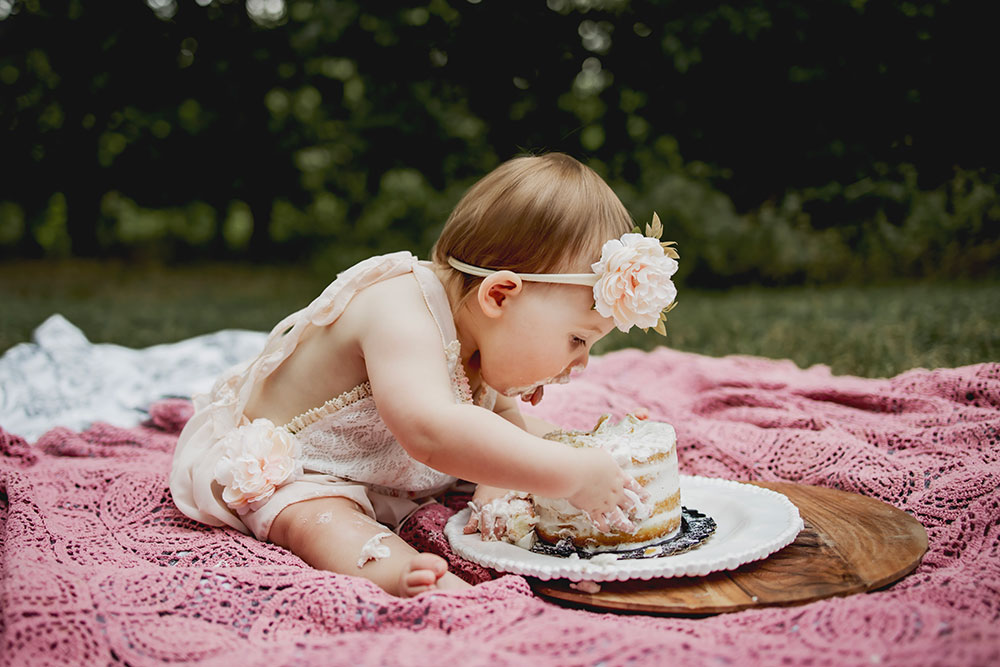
{"x": 396, "y": 303}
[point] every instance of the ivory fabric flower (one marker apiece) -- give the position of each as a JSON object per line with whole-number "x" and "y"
{"x": 258, "y": 458}
{"x": 634, "y": 286}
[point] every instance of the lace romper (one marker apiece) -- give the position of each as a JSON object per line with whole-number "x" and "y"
{"x": 343, "y": 447}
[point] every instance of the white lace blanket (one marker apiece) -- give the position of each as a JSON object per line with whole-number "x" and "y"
{"x": 62, "y": 379}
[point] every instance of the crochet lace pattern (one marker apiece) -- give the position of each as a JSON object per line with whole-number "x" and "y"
{"x": 98, "y": 567}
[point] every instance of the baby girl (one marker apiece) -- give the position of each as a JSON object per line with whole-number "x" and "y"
{"x": 402, "y": 377}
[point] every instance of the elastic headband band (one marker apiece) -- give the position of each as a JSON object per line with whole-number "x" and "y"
{"x": 585, "y": 279}
{"x": 631, "y": 281}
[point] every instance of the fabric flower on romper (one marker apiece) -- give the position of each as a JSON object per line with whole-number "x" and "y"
{"x": 634, "y": 286}
{"x": 257, "y": 458}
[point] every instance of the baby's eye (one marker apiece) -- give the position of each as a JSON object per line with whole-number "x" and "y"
{"x": 577, "y": 341}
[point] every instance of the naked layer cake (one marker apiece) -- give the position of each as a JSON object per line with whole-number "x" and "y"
{"x": 646, "y": 450}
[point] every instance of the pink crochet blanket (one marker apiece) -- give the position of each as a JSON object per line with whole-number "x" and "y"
{"x": 98, "y": 567}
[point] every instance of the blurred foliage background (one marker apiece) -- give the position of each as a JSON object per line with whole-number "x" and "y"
{"x": 782, "y": 142}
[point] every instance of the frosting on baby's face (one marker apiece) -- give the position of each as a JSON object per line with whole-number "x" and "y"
{"x": 526, "y": 391}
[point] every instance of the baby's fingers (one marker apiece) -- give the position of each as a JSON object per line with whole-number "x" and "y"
{"x": 601, "y": 521}
{"x": 472, "y": 525}
{"x": 632, "y": 498}
{"x": 619, "y": 521}
{"x": 499, "y": 527}
{"x": 637, "y": 488}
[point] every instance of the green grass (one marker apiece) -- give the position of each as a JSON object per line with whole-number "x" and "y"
{"x": 870, "y": 331}
{"x": 876, "y": 331}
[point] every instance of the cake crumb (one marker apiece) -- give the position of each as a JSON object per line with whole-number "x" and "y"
{"x": 374, "y": 550}
{"x": 602, "y": 559}
{"x": 591, "y": 587}
{"x": 325, "y": 517}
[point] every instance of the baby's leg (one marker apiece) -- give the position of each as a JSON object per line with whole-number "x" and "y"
{"x": 331, "y": 534}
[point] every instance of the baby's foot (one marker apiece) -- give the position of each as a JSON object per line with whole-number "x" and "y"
{"x": 421, "y": 574}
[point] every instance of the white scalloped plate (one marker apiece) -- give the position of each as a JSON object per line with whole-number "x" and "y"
{"x": 751, "y": 523}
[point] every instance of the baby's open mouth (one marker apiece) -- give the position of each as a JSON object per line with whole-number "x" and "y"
{"x": 533, "y": 396}
{"x": 533, "y": 393}
{"x": 526, "y": 393}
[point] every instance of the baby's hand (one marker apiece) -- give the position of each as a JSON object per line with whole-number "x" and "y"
{"x": 606, "y": 493}
{"x": 484, "y": 494}
{"x": 499, "y": 514}
{"x": 482, "y": 497}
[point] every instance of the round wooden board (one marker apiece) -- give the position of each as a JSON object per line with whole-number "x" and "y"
{"x": 850, "y": 544}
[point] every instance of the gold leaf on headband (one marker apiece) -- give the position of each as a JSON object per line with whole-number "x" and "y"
{"x": 661, "y": 327}
{"x": 655, "y": 230}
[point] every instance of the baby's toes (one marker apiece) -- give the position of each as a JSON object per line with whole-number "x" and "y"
{"x": 432, "y": 562}
{"x": 422, "y": 574}
{"x": 418, "y": 581}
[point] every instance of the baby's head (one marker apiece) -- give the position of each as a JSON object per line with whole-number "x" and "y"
{"x": 537, "y": 214}
{"x": 539, "y": 263}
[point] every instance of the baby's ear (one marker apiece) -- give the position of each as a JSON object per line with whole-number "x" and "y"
{"x": 495, "y": 290}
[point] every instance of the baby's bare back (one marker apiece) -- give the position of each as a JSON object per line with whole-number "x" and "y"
{"x": 328, "y": 361}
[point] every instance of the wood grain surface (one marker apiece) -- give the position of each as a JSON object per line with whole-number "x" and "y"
{"x": 850, "y": 544}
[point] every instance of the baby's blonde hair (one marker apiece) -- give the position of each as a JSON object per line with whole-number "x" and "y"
{"x": 537, "y": 214}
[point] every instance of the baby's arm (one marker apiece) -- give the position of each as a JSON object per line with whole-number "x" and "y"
{"x": 507, "y": 408}
{"x": 404, "y": 357}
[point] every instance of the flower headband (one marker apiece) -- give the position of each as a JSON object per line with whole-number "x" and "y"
{"x": 631, "y": 281}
